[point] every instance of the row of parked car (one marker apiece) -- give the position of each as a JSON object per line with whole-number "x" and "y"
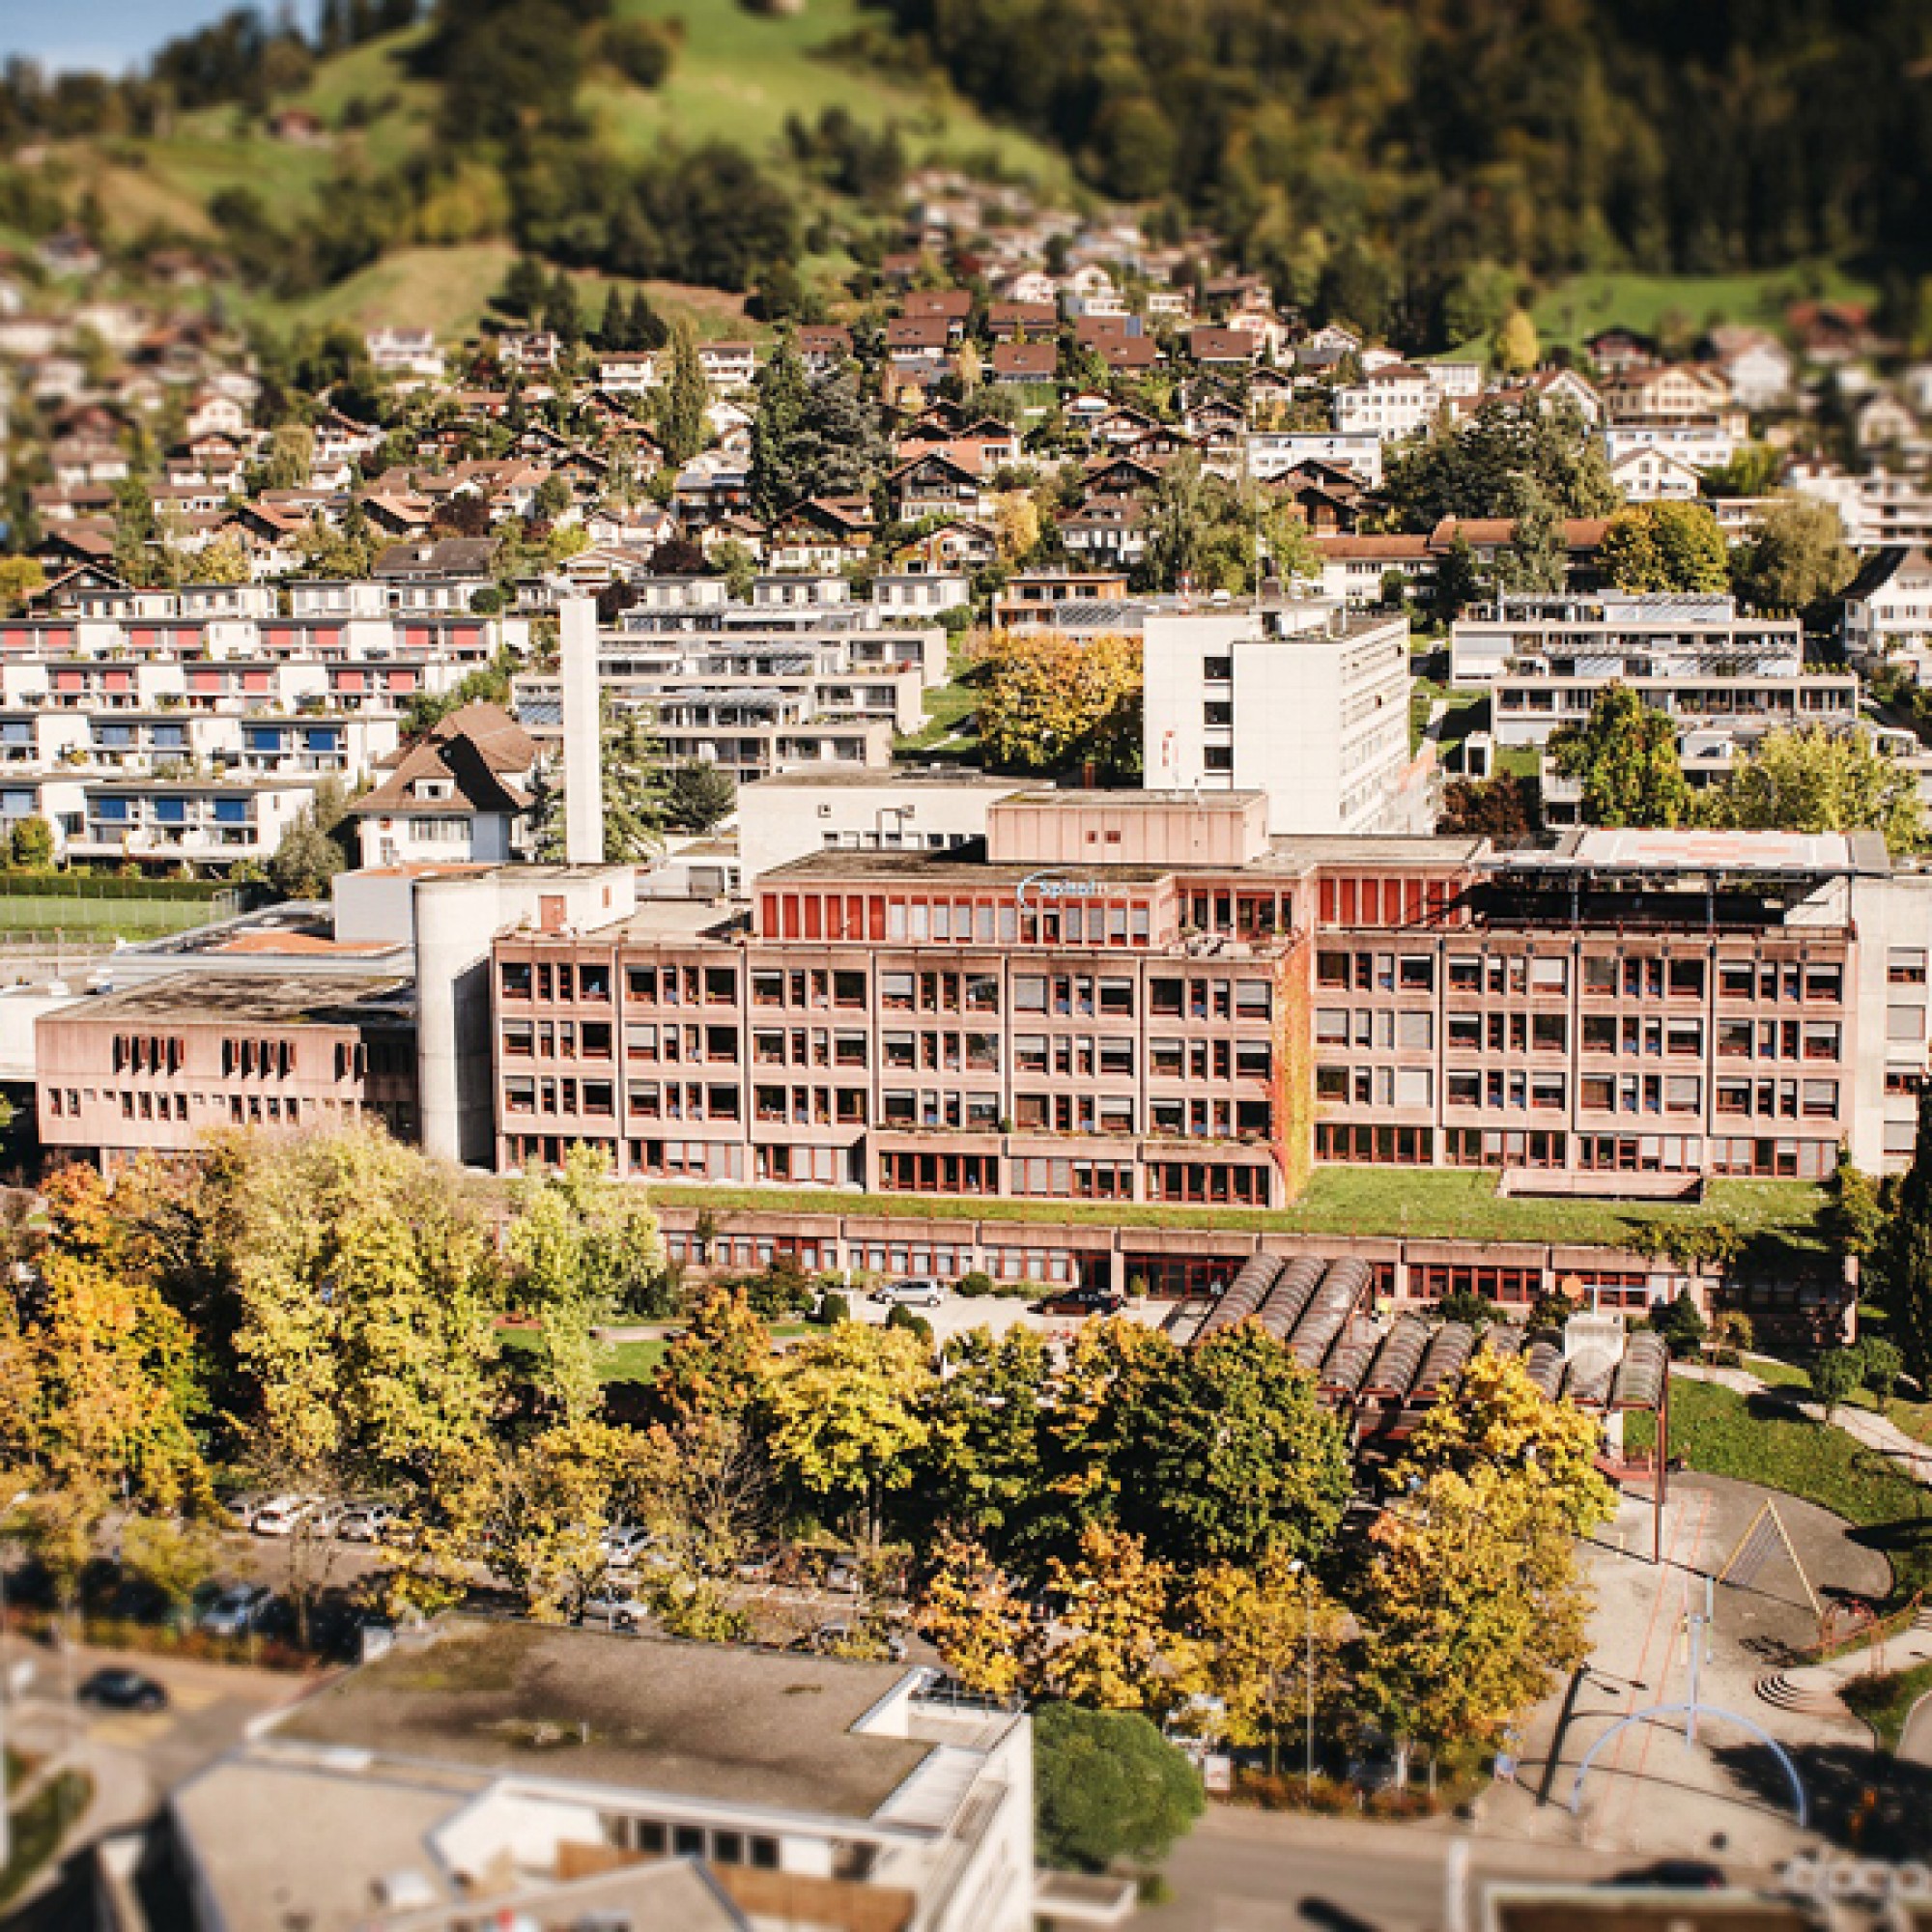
{"x": 313, "y": 1515}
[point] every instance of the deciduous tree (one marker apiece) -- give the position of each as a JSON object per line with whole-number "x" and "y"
{"x": 1625, "y": 758}
{"x": 1114, "y": 1643}
{"x": 974, "y": 1615}
{"x": 1813, "y": 780}
{"x": 1797, "y": 560}
{"x": 849, "y": 1417}
{"x": 1050, "y": 703}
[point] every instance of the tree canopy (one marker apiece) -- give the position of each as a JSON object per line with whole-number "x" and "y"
{"x": 1625, "y": 757}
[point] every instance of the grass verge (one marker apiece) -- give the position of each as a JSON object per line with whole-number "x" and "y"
{"x": 1913, "y": 1417}
{"x": 1886, "y": 1702}
{"x": 1757, "y": 1438}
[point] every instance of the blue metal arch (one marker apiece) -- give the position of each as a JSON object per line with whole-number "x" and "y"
{"x": 1656, "y": 1711}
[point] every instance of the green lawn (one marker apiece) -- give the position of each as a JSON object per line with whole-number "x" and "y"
{"x": 104, "y": 919}
{"x": 739, "y": 75}
{"x": 1913, "y": 1417}
{"x": 1574, "y": 311}
{"x": 1757, "y": 1440}
{"x": 1886, "y": 1702}
{"x": 1428, "y": 1204}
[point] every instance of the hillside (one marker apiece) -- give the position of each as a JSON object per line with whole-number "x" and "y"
{"x": 736, "y": 79}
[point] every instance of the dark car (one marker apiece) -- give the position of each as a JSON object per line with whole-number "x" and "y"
{"x": 1675, "y": 1875}
{"x": 124, "y": 1691}
{"x": 1080, "y": 1301}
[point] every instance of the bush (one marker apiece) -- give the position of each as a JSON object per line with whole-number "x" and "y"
{"x": 1681, "y": 1323}
{"x": 902, "y": 1316}
{"x": 780, "y": 1293}
{"x": 1107, "y": 1785}
{"x": 831, "y": 1310}
{"x": 975, "y": 1284}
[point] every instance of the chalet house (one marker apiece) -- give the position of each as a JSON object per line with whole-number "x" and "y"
{"x": 933, "y": 484}
{"x": 1031, "y": 599}
{"x": 1222, "y": 348}
{"x": 1356, "y": 570}
{"x": 1170, "y": 305}
{"x": 440, "y": 576}
{"x": 1011, "y": 320}
{"x": 1656, "y": 476}
{"x": 639, "y": 528}
{"x": 628, "y": 372}
{"x": 527, "y": 349}
{"x": 1105, "y": 533}
{"x": 913, "y": 341}
{"x": 822, "y": 533}
{"x": 1269, "y": 388}
{"x": 1760, "y": 370}
{"x": 824, "y": 349}
{"x": 1888, "y": 610}
{"x": 1033, "y": 287}
{"x": 1614, "y": 352}
{"x": 1552, "y": 389}
{"x": 212, "y": 414}
{"x": 397, "y": 516}
{"x": 1334, "y": 336}
{"x": 1129, "y": 355}
{"x": 1119, "y": 475}
{"x": 1830, "y": 331}
{"x": 957, "y": 546}
{"x": 1670, "y": 392}
{"x": 1025, "y": 362}
{"x": 709, "y": 490}
{"x": 1090, "y": 330}
{"x": 728, "y": 366}
{"x": 405, "y": 352}
{"x": 1328, "y": 497}
{"x": 1122, "y": 427}
{"x": 739, "y": 528}
{"x": 1214, "y": 416}
{"x": 461, "y": 795}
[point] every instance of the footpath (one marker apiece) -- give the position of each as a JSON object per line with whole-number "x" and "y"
{"x": 1912, "y": 1457}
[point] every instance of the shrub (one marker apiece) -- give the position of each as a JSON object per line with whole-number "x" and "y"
{"x": 975, "y": 1284}
{"x": 831, "y": 1309}
{"x": 902, "y": 1316}
{"x": 1107, "y": 1785}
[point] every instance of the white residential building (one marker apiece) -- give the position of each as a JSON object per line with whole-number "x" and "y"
{"x": 1612, "y": 635}
{"x": 1301, "y": 701}
{"x": 1888, "y": 611}
{"x": 1706, "y": 445}
{"x": 914, "y": 809}
{"x": 1656, "y": 476}
{"x": 1390, "y": 403}
{"x": 1273, "y": 453}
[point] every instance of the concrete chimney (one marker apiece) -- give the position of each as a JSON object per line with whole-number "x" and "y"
{"x": 582, "y": 733}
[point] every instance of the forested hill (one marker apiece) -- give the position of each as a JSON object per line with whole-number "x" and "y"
{"x": 1699, "y": 135}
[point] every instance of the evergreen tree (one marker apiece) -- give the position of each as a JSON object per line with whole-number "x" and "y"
{"x": 613, "y": 333}
{"x": 1537, "y": 559}
{"x": 842, "y": 447}
{"x": 646, "y": 328}
{"x": 681, "y": 422}
{"x": 561, "y": 315}
{"x": 781, "y": 401}
{"x": 526, "y": 289}
{"x": 699, "y": 796}
{"x": 1905, "y": 1257}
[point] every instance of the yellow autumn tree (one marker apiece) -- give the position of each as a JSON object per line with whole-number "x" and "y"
{"x": 973, "y": 1615}
{"x": 1050, "y": 702}
{"x": 1501, "y": 1421}
{"x": 1114, "y": 1653}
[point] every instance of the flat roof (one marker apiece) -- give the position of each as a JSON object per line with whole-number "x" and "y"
{"x": 264, "y": 998}
{"x": 702, "y": 1720}
{"x": 1629, "y": 848}
{"x": 889, "y": 778}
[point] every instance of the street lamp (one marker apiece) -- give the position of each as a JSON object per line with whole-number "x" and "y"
{"x": 1307, "y": 1576}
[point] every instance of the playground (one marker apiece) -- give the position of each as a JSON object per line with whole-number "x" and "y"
{"x": 1768, "y": 1735}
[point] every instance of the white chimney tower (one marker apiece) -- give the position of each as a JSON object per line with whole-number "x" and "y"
{"x": 582, "y": 733}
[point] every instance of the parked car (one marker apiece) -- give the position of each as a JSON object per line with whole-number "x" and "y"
{"x": 844, "y": 1577}
{"x": 910, "y": 1293}
{"x": 322, "y": 1519}
{"x": 281, "y": 1516}
{"x": 1675, "y": 1875}
{"x": 242, "y": 1510}
{"x": 237, "y": 1609}
{"x": 614, "y": 1608}
{"x": 1080, "y": 1301}
{"x": 123, "y": 1690}
{"x": 365, "y": 1522}
{"x": 624, "y": 1543}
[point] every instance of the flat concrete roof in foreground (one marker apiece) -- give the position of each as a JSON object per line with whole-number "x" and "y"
{"x": 705, "y": 1720}
{"x": 255, "y": 999}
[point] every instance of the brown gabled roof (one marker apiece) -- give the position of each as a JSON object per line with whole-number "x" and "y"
{"x": 477, "y": 787}
{"x": 501, "y": 742}
{"x": 1034, "y": 361}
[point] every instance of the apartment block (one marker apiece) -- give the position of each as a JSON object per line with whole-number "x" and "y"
{"x": 1622, "y": 637}
{"x": 1298, "y": 701}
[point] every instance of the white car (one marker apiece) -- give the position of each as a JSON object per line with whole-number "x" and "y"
{"x": 365, "y": 1522}
{"x": 615, "y": 1607}
{"x": 243, "y": 1510}
{"x": 281, "y": 1516}
{"x": 910, "y": 1293}
{"x": 623, "y": 1545}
